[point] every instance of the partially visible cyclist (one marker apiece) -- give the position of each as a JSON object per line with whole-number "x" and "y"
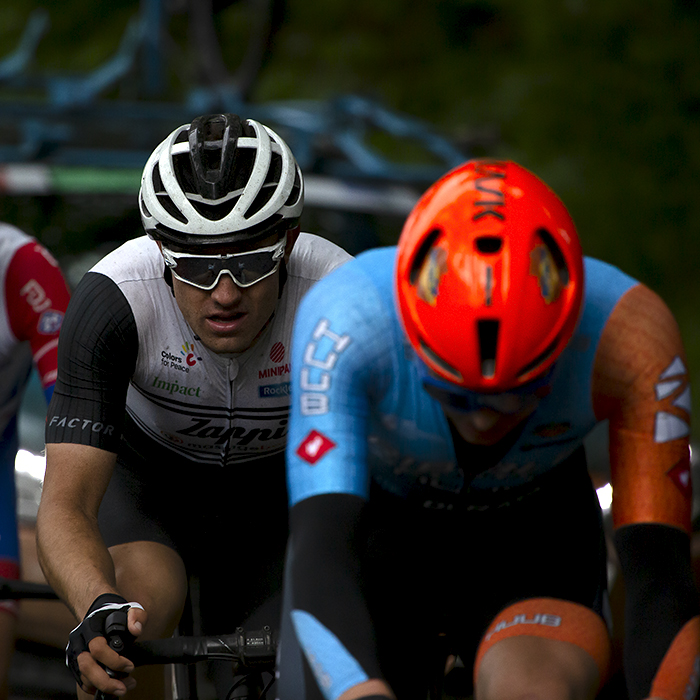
{"x": 34, "y": 299}
{"x": 166, "y": 433}
{"x": 437, "y": 478}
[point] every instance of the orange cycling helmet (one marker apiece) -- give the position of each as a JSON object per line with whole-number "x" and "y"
{"x": 489, "y": 277}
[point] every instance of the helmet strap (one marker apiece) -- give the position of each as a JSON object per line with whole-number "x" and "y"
{"x": 283, "y": 277}
{"x": 168, "y": 277}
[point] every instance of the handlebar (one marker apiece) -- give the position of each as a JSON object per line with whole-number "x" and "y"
{"x": 253, "y": 651}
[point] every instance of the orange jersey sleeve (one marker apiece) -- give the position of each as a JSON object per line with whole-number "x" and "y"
{"x": 641, "y": 385}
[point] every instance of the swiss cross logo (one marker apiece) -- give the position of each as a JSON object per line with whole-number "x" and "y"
{"x": 680, "y": 475}
{"x": 314, "y": 446}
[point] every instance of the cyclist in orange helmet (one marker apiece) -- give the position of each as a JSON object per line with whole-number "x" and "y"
{"x": 490, "y": 281}
{"x": 437, "y": 477}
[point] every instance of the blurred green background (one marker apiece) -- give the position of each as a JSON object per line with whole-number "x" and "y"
{"x": 601, "y": 98}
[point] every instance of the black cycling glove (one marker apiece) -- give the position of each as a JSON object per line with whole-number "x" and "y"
{"x": 94, "y": 625}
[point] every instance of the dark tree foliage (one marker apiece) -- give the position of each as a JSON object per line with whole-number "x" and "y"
{"x": 601, "y": 98}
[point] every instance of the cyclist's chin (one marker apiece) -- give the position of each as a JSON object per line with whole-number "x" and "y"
{"x": 484, "y": 427}
{"x": 226, "y": 344}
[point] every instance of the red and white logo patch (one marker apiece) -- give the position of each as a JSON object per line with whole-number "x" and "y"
{"x": 314, "y": 446}
{"x": 277, "y": 352}
{"x": 680, "y": 475}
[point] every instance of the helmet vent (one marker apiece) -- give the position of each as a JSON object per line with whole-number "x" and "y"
{"x": 168, "y": 205}
{"x": 439, "y": 362}
{"x": 268, "y": 189}
{"x": 163, "y": 197}
{"x": 213, "y": 149}
{"x": 296, "y": 189}
{"x": 144, "y": 208}
{"x": 421, "y": 253}
{"x": 488, "y": 245}
{"x": 488, "y": 342}
{"x": 556, "y": 254}
{"x": 542, "y": 357}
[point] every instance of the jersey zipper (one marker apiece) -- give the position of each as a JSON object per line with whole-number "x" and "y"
{"x": 232, "y": 369}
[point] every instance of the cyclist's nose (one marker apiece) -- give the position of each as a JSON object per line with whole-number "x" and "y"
{"x": 226, "y": 292}
{"x": 473, "y": 424}
{"x": 482, "y": 420}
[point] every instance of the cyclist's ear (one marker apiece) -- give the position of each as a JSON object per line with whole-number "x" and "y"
{"x": 292, "y": 235}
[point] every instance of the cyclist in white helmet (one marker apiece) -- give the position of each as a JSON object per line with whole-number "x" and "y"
{"x": 166, "y": 433}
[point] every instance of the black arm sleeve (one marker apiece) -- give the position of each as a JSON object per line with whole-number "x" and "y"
{"x": 660, "y": 597}
{"x": 326, "y": 571}
{"x": 97, "y": 351}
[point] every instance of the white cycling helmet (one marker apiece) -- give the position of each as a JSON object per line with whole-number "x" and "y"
{"x": 220, "y": 180}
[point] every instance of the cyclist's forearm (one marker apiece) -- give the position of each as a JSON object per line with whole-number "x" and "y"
{"x": 73, "y": 557}
{"x": 71, "y": 550}
{"x": 327, "y": 599}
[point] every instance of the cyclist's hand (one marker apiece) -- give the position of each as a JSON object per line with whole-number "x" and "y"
{"x": 95, "y": 663}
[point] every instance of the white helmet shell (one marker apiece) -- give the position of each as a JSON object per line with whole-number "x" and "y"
{"x": 220, "y": 180}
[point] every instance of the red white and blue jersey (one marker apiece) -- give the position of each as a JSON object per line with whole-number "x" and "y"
{"x": 33, "y": 302}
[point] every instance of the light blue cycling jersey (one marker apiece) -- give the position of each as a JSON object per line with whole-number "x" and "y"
{"x": 359, "y": 411}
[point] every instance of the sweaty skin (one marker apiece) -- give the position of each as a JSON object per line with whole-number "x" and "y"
{"x": 229, "y": 318}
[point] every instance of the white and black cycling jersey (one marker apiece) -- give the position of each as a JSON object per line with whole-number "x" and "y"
{"x": 126, "y": 345}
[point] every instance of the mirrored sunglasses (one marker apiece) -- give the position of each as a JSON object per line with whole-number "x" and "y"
{"x": 463, "y": 400}
{"x": 245, "y": 269}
